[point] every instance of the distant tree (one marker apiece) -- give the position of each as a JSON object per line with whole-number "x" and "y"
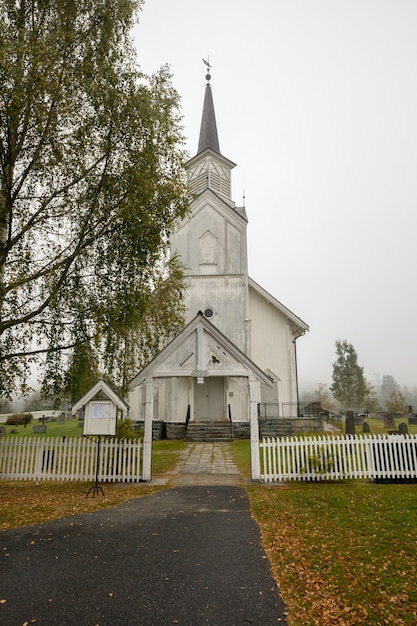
{"x": 349, "y": 386}
{"x": 322, "y": 394}
{"x": 91, "y": 183}
{"x": 34, "y": 401}
{"x": 396, "y": 403}
{"x": 388, "y": 386}
{"x": 371, "y": 400}
{"x": 410, "y": 396}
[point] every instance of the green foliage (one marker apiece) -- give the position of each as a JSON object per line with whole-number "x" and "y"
{"x": 321, "y": 394}
{"x": 19, "y": 418}
{"x": 91, "y": 182}
{"x": 349, "y": 385}
{"x": 322, "y": 462}
{"x": 371, "y": 400}
{"x": 388, "y": 386}
{"x": 396, "y": 403}
{"x": 126, "y": 430}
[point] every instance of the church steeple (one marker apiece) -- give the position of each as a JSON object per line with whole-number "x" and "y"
{"x": 208, "y": 129}
{"x": 209, "y": 169}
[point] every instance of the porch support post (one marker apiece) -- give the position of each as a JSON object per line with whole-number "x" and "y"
{"x": 147, "y": 431}
{"x": 254, "y": 428}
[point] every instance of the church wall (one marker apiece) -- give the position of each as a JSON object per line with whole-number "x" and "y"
{"x": 226, "y": 294}
{"x": 212, "y": 242}
{"x": 237, "y": 396}
{"x": 272, "y": 345}
{"x": 171, "y": 399}
{"x": 135, "y": 403}
{"x": 178, "y": 402}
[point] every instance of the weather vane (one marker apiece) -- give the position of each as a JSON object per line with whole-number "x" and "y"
{"x": 208, "y": 75}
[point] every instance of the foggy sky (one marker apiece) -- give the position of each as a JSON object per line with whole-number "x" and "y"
{"x": 316, "y": 102}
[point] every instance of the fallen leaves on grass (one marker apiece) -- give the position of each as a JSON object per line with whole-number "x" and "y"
{"x": 24, "y": 503}
{"x": 338, "y": 551}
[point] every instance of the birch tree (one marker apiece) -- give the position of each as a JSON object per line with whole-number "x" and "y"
{"x": 91, "y": 182}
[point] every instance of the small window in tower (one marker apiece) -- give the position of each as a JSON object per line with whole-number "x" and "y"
{"x": 208, "y": 248}
{"x": 209, "y": 312}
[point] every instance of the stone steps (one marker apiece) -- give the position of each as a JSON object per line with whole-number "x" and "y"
{"x": 209, "y": 431}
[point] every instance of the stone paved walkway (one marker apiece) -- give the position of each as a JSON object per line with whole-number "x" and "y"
{"x": 208, "y": 463}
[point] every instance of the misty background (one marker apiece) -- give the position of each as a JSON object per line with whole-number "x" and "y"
{"x": 316, "y": 102}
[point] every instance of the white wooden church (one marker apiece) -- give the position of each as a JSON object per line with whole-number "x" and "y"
{"x": 236, "y": 357}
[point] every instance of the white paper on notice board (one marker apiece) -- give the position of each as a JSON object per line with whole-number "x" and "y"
{"x": 100, "y": 410}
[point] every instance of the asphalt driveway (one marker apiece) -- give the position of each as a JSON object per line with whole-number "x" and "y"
{"x": 188, "y": 556}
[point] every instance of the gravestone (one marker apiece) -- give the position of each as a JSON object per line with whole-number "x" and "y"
{"x": 403, "y": 428}
{"x": 366, "y": 428}
{"x": 61, "y": 419}
{"x": 39, "y": 429}
{"x": 2, "y": 431}
{"x": 412, "y": 419}
{"x": 350, "y": 423}
{"x": 389, "y": 421}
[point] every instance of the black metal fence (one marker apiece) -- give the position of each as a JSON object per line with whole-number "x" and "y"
{"x": 302, "y": 409}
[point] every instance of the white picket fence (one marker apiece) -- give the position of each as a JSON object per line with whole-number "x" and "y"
{"x": 72, "y": 458}
{"x": 339, "y": 457}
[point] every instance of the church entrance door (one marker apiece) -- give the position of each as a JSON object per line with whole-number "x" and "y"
{"x": 209, "y": 399}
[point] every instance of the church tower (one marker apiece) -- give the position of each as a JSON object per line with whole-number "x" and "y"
{"x": 235, "y": 359}
{"x": 211, "y": 241}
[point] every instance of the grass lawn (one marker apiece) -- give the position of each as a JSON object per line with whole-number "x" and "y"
{"x": 343, "y": 553}
{"x": 24, "y": 502}
{"x": 53, "y": 429}
{"x": 377, "y": 426}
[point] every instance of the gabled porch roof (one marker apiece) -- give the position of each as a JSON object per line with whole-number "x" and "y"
{"x": 200, "y": 350}
{"x": 107, "y": 391}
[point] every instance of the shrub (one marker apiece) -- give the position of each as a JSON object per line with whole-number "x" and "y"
{"x": 125, "y": 429}
{"x": 17, "y": 419}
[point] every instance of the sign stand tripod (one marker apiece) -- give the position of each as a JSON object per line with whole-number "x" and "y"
{"x": 96, "y": 488}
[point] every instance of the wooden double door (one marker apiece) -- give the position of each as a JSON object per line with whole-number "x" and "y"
{"x": 209, "y": 399}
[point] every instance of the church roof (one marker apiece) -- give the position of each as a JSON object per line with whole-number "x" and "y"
{"x": 208, "y": 129}
{"x": 297, "y": 321}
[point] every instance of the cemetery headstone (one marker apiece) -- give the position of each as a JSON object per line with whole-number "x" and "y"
{"x": 39, "y": 429}
{"x": 2, "y": 431}
{"x": 366, "y": 428}
{"x": 389, "y": 421}
{"x": 403, "y": 428}
{"x": 350, "y": 423}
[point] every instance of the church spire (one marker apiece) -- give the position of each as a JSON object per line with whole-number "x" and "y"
{"x": 208, "y": 129}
